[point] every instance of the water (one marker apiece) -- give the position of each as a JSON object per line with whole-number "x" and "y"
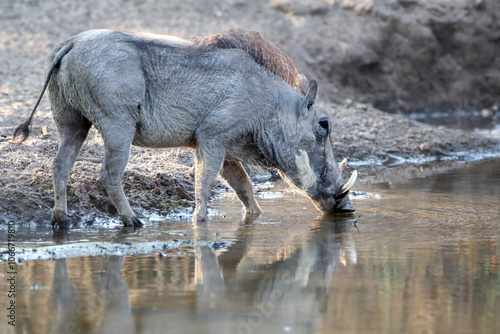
{"x": 424, "y": 257}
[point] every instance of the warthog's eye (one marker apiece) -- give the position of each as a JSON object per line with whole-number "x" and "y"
{"x": 324, "y": 124}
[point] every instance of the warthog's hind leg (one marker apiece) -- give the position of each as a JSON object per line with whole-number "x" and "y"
{"x": 237, "y": 178}
{"x": 71, "y": 137}
{"x": 116, "y": 154}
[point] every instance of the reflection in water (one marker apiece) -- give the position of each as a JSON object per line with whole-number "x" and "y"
{"x": 111, "y": 309}
{"x": 289, "y": 293}
{"x": 229, "y": 293}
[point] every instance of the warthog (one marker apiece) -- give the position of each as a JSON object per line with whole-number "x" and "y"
{"x": 234, "y": 97}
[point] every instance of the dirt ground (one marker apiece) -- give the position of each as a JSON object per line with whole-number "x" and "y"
{"x": 162, "y": 180}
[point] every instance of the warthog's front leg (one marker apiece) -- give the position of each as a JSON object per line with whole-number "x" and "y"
{"x": 237, "y": 178}
{"x": 208, "y": 163}
{"x": 115, "y": 159}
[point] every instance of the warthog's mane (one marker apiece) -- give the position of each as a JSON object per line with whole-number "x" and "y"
{"x": 261, "y": 50}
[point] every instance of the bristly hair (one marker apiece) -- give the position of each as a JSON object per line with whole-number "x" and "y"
{"x": 261, "y": 50}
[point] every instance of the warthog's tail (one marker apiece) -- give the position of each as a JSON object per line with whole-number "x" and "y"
{"x": 23, "y": 130}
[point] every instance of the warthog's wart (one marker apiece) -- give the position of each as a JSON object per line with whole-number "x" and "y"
{"x": 233, "y": 97}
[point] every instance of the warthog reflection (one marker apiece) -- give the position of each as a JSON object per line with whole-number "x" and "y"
{"x": 288, "y": 292}
{"x": 232, "y": 293}
{"x": 114, "y": 304}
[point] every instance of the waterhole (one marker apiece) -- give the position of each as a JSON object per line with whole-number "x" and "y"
{"x": 420, "y": 255}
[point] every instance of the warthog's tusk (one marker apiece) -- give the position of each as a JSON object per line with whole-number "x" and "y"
{"x": 346, "y": 187}
{"x": 342, "y": 165}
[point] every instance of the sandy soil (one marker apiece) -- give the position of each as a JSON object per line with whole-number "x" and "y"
{"x": 162, "y": 180}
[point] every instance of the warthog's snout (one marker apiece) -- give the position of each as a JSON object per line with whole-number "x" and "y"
{"x": 344, "y": 204}
{"x": 336, "y": 204}
{"x": 333, "y": 197}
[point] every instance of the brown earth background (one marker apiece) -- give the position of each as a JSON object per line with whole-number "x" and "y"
{"x": 395, "y": 55}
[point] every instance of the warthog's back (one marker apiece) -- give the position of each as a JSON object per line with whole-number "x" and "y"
{"x": 164, "y": 86}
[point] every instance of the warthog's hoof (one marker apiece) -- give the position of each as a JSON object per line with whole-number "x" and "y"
{"x": 60, "y": 218}
{"x": 199, "y": 218}
{"x": 133, "y": 221}
{"x": 248, "y": 216}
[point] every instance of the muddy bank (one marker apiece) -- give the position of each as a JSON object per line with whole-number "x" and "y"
{"x": 155, "y": 181}
{"x": 365, "y": 133}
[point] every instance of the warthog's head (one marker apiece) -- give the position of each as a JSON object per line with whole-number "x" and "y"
{"x": 315, "y": 172}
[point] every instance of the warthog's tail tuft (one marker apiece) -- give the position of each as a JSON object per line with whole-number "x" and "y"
{"x": 23, "y": 130}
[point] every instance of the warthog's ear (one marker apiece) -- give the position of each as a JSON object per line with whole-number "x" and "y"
{"x": 310, "y": 99}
